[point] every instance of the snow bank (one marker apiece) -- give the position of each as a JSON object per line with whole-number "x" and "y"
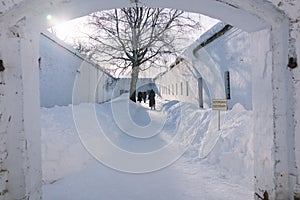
{"x": 230, "y": 149}
{"x": 233, "y": 150}
{"x": 62, "y": 151}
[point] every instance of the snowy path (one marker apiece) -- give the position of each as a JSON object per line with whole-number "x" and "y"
{"x": 70, "y": 172}
{"x": 181, "y": 181}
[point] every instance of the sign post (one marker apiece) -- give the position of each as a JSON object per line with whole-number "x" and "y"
{"x": 219, "y": 104}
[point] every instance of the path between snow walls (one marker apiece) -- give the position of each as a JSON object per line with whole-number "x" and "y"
{"x": 197, "y": 162}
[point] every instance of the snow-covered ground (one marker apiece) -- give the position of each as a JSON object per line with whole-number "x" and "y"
{"x": 214, "y": 165}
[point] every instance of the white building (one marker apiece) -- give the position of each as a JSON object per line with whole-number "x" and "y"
{"x": 61, "y": 67}
{"x": 66, "y": 77}
{"x": 199, "y": 75}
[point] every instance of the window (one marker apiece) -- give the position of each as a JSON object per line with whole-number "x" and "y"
{"x": 172, "y": 89}
{"x": 181, "y": 88}
{"x": 187, "y": 88}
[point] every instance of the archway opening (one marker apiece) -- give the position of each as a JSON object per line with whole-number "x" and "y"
{"x": 248, "y": 94}
{"x": 244, "y": 9}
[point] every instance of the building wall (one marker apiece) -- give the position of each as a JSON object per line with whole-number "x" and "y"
{"x": 179, "y": 83}
{"x": 291, "y": 8}
{"x": 64, "y": 74}
{"x": 230, "y": 52}
{"x": 65, "y": 77}
{"x": 3, "y": 141}
{"x": 20, "y": 151}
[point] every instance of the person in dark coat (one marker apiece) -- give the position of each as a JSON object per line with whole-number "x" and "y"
{"x": 140, "y": 95}
{"x": 152, "y": 99}
{"x": 144, "y": 96}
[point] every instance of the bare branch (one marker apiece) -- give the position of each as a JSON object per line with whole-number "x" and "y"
{"x": 136, "y": 37}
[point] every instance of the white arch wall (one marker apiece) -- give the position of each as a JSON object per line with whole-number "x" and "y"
{"x": 20, "y": 173}
{"x": 19, "y": 93}
{"x": 75, "y": 8}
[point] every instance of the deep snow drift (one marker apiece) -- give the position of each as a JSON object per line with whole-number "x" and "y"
{"x": 214, "y": 165}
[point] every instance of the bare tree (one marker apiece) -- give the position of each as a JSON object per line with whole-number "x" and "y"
{"x": 135, "y": 38}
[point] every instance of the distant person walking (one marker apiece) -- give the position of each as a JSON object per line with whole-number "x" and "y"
{"x": 144, "y": 96}
{"x": 152, "y": 99}
{"x": 140, "y": 95}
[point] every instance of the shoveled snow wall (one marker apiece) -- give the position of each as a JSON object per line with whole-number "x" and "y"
{"x": 230, "y": 52}
{"x": 66, "y": 74}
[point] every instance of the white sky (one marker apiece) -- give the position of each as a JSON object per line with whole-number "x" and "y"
{"x": 70, "y": 30}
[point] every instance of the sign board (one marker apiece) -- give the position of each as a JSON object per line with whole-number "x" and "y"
{"x": 220, "y": 104}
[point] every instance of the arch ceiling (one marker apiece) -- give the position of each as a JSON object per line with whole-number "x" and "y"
{"x": 237, "y": 13}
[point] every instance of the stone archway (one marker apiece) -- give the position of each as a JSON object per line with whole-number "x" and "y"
{"x": 20, "y": 26}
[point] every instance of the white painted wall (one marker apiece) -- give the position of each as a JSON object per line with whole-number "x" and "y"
{"x": 3, "y": 139}
{"x": 179, "y": 83}
{"x": 65, "y": 76}
{"x": 262, "y": 96}
{"x": 92, "y": 85}
{"x": 231, "y": 53}
{"x": 60, "y": 66}
{"x": 20, "y": 164}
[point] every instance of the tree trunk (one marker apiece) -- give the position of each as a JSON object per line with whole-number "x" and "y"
{"x": 134, "y": 78}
